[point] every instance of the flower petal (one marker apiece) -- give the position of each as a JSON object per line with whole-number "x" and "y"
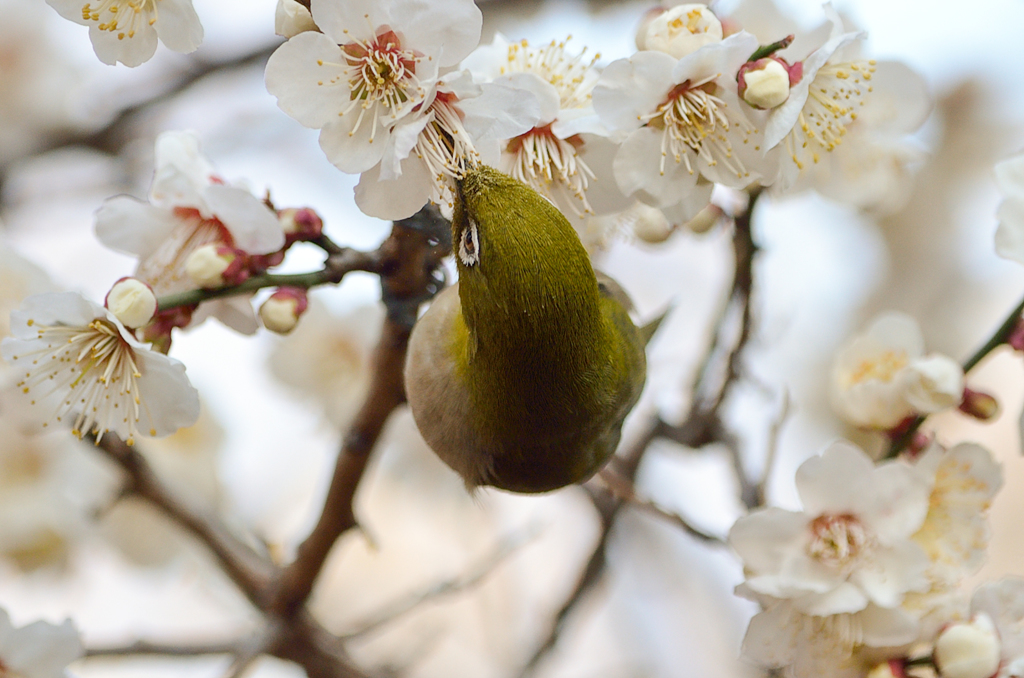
{"x": 178, "y": 26}
{"x": 167, "y": 400}
{"x": 834, "y": 482}
{"x": 450, "y": 29}
{"x": 638, "y": 172}
{"x": 130, "y": 51}
{"x": 631, "y": 88}
{"x": 253, "y": 226}
{"x": 398, "y": 198}
{"x": 308, "y": 76}
{"x": 127, "y": 225}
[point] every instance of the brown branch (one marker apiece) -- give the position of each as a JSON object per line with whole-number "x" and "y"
{"x": 624, "y": 490}
{"x": 408, "y": 261}
{"x": 250, "y": 571}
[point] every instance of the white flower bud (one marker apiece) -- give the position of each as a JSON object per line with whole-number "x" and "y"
{"x": 680, "y": 30}
{"x": 705, "y": 219}
{"x": 650, "y": 224}
{"x": 205, "y": 267}
{"x": 132, "y": 302}
{"x": 934, "y": 383}
{"x": 968, "y": 650}
{"x": 281, "y": 312}
{"x": 291, "y": 18}
{"x": 766, "y": 85}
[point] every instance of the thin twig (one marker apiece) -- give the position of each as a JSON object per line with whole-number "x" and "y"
{"x": 335, "y": 268}
{"x": 144, "y": 648}
{"x": 250, "y": 571}
{"x": 772, "y": 448}
{"x": 625, "y": 490}
{"x": 463, "y": 582}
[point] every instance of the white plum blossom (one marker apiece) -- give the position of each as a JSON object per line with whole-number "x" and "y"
{"x": 680, "y": 30}
{"x": 850, "y": 545}
{"x": 875, "y": 166}
{"x": 1010, "y": 234}
{"x": 434, "y": 146}
{"x": 822, "y": 102}
{"x": 684, "y": 122}
{"x": 75, "y": 359}
{"x": 375, "y": 61}
{"x": 565, "y": 155}
{"x": 1003, "y": 603}
{"x": 127, "y": 30}
{"x": 955, "y": 532}
{"x": 38, "y": 650}
{"x": 833, "y": 576}
{"x": 881, "y": 377}
{"x": 189, "y": 206}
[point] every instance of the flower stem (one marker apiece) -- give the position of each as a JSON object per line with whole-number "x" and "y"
{"x": 337, "y": 265}
{"x": 997, "y": 339}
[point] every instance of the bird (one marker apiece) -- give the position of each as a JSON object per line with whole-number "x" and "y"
{"x": 519, "y": 375}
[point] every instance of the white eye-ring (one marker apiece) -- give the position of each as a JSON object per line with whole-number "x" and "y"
{"x": 469, "y": 245}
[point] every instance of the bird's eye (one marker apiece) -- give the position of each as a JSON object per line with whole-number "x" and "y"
{"x": 469, "y": 245}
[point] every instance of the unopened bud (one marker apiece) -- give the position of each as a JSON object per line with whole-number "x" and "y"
{"x": 650, "y": 224}
{"x": 300, "y": 224}
{"x": 281, "y": 312}
{"x": 979, "y": 405}
{"x": 705, "y": 219}
{"x": 132, "y": 302}
{"x": 292, "y": 18}
{"x": 764, "y": 83}
{"x": 680, "y": 30}
{"x": 212, "y": 266}
{"x": 933, "y": 383}
{"x": 968, "y": 650}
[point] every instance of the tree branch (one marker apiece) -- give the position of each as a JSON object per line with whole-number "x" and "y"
{"x": 407, "y": 265}
{"x": 335, "y": 268}
{"x": 143, "y": 647}
{"x": 250, "y": 571}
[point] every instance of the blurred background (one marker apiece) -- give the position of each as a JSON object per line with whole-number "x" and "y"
{"x": 74, "y": 131}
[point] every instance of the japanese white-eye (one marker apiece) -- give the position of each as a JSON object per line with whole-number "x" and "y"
{"x": 520, "y": 375}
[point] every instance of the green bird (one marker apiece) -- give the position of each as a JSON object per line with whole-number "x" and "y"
{"x": 520, "y": 375}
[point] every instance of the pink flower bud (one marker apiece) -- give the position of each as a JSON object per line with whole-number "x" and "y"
{"x": 131, "y": 301}
{"x": 281, "y": 312}
{"x": 300, "y": 224}
{"x": 979, "y": 405}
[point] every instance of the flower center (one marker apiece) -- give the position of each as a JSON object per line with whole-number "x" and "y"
{"x": 572, "y": 76}
{"x": 832, "y": 98}
{"x": 445, "y": 147}
{"x": 837, "y": 540}
{"x": 380, "y": 75}
{"x": 552, "y": 166}
{"x": 97, "y": 368}
{"x": 882, "y": 367}
{"x": 123, "y": 17}
{"x": 693, "y": 120}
